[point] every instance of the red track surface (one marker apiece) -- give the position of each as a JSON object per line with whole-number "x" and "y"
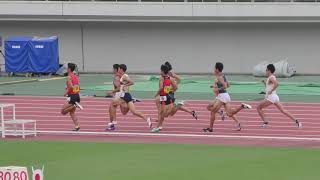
{"x": 181, "y": 128}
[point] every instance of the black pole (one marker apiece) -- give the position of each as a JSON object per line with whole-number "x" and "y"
{"x": 2, "y": 54}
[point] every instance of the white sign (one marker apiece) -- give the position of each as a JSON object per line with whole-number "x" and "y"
{"x": 39, "y": 46}
{"x": 15, "y": 47}
{"x": 14, "y": 173}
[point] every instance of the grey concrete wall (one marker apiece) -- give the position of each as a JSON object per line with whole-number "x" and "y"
{"x": 191, "y": 47}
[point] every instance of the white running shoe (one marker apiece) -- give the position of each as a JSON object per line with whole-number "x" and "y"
{"x": 149, "y": 122}
{"x": 78, "y": 105}
{"x": 246, "y": 106}
{"x": 181, "y": 103}
{"x": 112, "y": 123}
{"x": 264, "y": 124}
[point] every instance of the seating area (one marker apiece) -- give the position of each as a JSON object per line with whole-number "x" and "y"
{"x": 10, "y": 126}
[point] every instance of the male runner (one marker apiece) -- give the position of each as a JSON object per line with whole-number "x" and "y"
{"x": 72, "y": 92}
{"x": 124, "y": 97}
{"x": 116, "y": 81}
{"x": 222, "y": 99}
{"x": 167, "y": 87}
{"x": 272, "y": 98}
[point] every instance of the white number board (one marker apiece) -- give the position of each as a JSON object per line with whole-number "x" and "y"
{"x": 14, "y": 173}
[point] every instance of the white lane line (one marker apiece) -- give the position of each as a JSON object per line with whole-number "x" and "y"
{"x": 179, "y": 135}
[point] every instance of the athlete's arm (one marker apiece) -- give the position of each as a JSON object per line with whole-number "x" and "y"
{"x": 275, "y": 85}
{"x": 174, "y": 86}
{"x": 128, "y": 80}
{"x": 117, "y": 86}
{"x": 176, "y": 77}
{"x": 69, "y": 86}
{"x": 160, "y": 85}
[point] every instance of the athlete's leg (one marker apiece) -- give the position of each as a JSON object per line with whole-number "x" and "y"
{"x": 158, "y": 104}
{"x": 75, "y": 119}
{"x": 133, "y": 110}
{"x": 113, "y": 109}
{"x": 66, "y": 108}
{"x": 181, "y": 107}
{"x": 233, "y": 111}
{"x": 164, "y": 112}
{"x": 211, "y": 105}
{"x": 228, "y": 108}
{"x": 157, "y": 101}
{"x": 287, "y": 113}
{"x": 215, "y": 108}
{"x": 263, "y": 104}
{"x": 124, "y": 108}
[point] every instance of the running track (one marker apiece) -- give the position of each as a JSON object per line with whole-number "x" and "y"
{"x": 181, "y": 128}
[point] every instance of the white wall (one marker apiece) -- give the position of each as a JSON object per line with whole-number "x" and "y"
{"x": 195, "y": 47}
{"x": 192, "y": 47}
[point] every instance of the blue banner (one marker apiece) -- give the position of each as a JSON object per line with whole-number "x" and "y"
{"x": 32, "y": 55}
{"x": 17, "y": 54}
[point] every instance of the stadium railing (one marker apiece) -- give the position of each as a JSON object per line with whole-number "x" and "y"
{"x": 239, "y": 1}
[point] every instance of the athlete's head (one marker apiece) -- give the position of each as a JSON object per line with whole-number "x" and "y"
{"x": 270, "y": 69}
{"x": 164, "y": 69}
{"x": 218, "y": 67}
{"x": 122, "y": 68}
{"x": 115, "y": 68}
{"x": 169, "y": 65}
{"x": 71, "y": 67}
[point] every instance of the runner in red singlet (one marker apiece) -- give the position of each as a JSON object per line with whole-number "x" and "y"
{"x": 73, "y": 94}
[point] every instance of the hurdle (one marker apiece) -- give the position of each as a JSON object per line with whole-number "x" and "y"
{"x": 11, "y": 129}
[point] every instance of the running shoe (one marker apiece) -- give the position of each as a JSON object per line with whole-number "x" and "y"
{"x": 207, "y": 130}
{"x": 181, "y": 103}
{"x": 264, "y": 124}
{"x": 246, "y": 106}
{"x": 76, "y": 129}
{"x": 299, "y": 124}
{"x": 195, "y": 115}
{"x": 78, "y": 105}
{"x": 155, "y": 130}
{"x": 238, "y": 127}
{"x": 149, "y": 122}
{"x": 221, "y": 113}
{"x": 134, "y": 100}
{"x": 111, "y": 127}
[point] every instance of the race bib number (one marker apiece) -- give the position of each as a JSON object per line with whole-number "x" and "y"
{"x": 13, "y": 173}
{"x": 76, "y": 89}
{"x": 167, "y": 89}
{"x": 163, "y": 98}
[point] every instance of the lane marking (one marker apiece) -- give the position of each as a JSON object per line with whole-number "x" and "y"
{"x": 147, "y": 99}
{"x": 178, "y": 135}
